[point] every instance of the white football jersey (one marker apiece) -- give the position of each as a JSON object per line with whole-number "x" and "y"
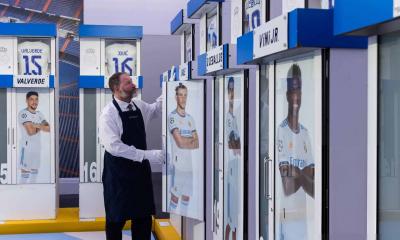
{"x": 231, "y": 126}
{"x": 253, "y": 14}
{"x": 295, "y": 149}
{"x": 32, "y": 142}
{"x": 121, "y": 57}
{"x": 188, "y": 47}
{"x": 181, "y": 158}
{"x": 212, "y": 32}
{"x": 33, "y": 58}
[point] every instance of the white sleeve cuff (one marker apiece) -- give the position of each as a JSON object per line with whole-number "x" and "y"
{"x": 140, "y": 155}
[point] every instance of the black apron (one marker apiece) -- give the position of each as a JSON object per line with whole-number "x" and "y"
{"x": 128, "y": 188}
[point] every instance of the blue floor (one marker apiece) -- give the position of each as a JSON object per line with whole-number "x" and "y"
{"x": 64, "y": 236}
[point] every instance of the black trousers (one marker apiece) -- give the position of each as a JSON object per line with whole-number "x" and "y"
{"x": 140, "y": 228}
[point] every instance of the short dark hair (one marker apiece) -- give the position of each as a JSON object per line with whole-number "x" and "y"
{"x": 114, "y": 80}
{"x": 32, "y": 93}
{"x": 294, "y": 71}
{"x": 180, "y": 86}
{"x": 231, "y": 80}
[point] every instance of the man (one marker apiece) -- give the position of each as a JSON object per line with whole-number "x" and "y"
{"x": 128, "y": 190}
{"x": 296, "y": 165}
{"x": 184, "y": 138}
{"x": 121, "y": 57}
{"x": 234, "y": 151}
{"x": 33, "y": 58}
{"x": 32, "y": 123}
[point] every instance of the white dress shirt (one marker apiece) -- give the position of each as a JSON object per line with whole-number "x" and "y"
{"x": 110, "y": 127}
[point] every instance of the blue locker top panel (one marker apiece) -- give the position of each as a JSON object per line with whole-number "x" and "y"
{"x": 353, "y": 15}
{"x": 28, "y": 29}
{"x": 180, "y": 23}
{"x": 196, "y": 8}
{"x": 177, "y": 22}
{"x": 110, "y": 31}
{"x": 307, "y": 28}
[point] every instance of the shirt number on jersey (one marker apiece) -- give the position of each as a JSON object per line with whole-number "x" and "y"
{"x": 3, "y": 173}
{"x": 254, "y": 21}
{"x": 32, "y": 59}
{"x": 123, "y": 66}
{"x": 90, "y": 172}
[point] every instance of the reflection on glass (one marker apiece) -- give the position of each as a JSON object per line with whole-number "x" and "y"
{"x": 389, "y": 138}
{"x": 295, "y": 121}
{"x": 263, "y": 158}
{"x": 233, "y": 159}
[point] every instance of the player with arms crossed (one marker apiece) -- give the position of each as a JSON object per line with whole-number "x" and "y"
{"x": 32, "y": 123}
{"x": 121, "y": 57}
{"x": 234, "y": 151}
{"x": 184, "y": 138}
{"x": 296, "y": 165}
{"x": 33, "y": 58}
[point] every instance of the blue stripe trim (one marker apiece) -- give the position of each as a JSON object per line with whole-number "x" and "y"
{"x": 140, "y": 82}
{"x": 245, "y": 48}
{"x": 104, "y": 31}
{"x": 194, "y": 6}
{"x": 189, "y": 70}
{"x": 314, "y": 28}
{"x": 177, "y": 22}
{"x": 51, "y": 81}
{"x": 226, "y": 56}
{"x": 91, "y": 82}
{"x": 28, "y": 29}
{"x": 201, "y": 64}
{"x": 6, "y": 81}
{"x": 351, "y": 15}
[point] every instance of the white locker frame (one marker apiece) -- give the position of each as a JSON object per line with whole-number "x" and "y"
{"x": 43, "y": 202}
{"x": 91, "y": 203}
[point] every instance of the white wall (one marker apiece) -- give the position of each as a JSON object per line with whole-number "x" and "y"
{"x": 154, "y": 15}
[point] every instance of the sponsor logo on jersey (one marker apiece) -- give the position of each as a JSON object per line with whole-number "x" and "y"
{"x": 32, "y": 50}
{"x": 90, "y": 51}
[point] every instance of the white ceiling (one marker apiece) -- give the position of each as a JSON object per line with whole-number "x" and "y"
{"x": 154, "y": 15}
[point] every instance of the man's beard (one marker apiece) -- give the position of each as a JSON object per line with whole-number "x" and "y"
{"x": 126, "y": 94}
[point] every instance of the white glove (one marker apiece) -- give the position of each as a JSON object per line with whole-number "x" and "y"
{"x": 154, "y": 156}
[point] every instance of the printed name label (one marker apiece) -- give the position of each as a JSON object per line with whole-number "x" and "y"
{"x": 271, "y": 37}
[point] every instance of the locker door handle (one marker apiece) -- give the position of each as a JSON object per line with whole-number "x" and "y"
{"x": 267, "y": 189}
{"x": 12, "y": 136}
{"x": 8, "y": 136}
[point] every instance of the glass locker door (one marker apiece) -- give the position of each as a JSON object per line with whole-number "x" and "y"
{"x": 298, "y": 147}
{"x": 90, "y": 107}
{"x": 5, "y": 137}
{"x": 34, "y": 135}
{"x": 264, "y": 151}
{"x": 105, "y": 98}
{"x": 234, "y": 156}
{"x": 218, "y": 158}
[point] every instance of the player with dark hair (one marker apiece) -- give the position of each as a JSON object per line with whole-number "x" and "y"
{"x": 184, "y": 138}
{"x": 296, "y": 164}
{"x": 33, "y": 123}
